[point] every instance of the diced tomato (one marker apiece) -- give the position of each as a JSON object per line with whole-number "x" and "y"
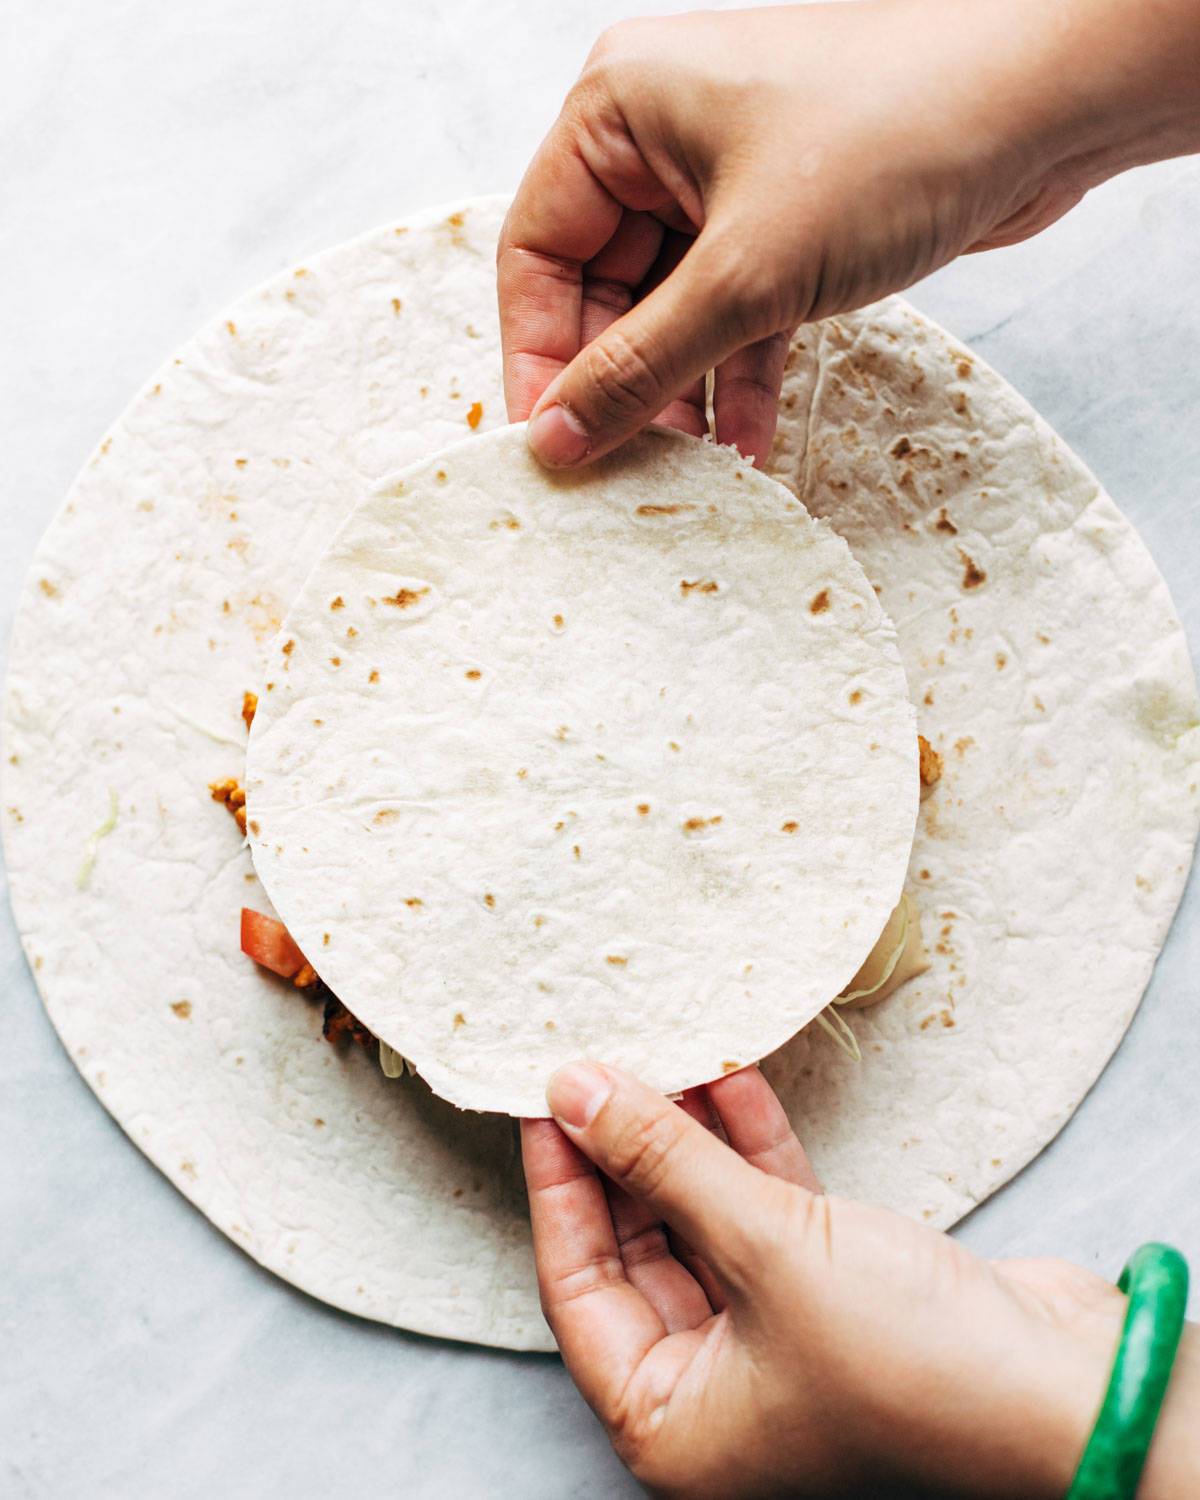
{"x": 268, "y": 942}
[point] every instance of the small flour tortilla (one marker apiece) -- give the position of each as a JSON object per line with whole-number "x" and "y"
{"x": 618, "y": 764}
{"x": 1056, "y": 844}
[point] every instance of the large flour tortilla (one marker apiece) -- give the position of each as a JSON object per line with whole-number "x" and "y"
{"x": 220, "y": 486}
{"x": 617, "y": 764}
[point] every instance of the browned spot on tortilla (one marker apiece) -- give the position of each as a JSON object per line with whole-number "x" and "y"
{"x": 959, "y": 403}
{"x": 1001, "y": 661}
{"x": 489, "y": 901}
{"x": 901, "y": 448}
{"x": 946, "y": 1018}
{"x": 47, "y": 588}
{"x": 562, "y": 731}
{"x": 643, "y": 808}
{"x": 550, "y": 1026}
{"x": 928, "y": 699}
{"x": 963, "y": 367}
{"x": 396, "y": 305}
{"x": 522, "y": 773}
{"x": 386, "y": 815}
{"x": 924, "y": 874}
{"x": 475, "y": 415}
{"x": 351, "y": 632}
{"x": 539, "y": 921}
{"x": 1038, "y": 704}
{"x": 929, "y": 762}
{"x": 182, "y": 1008}
{"x": 412, "y": 901}
{"x": 698, "y": 586}
{"x": 441, "y": 476}
{"x": 558, "y": 622}
{"x": 575, "y": 850}
{"x": 973, "y": 575}
{"x": 694, "y": 825}
{"x": 188, "y": 1168}
{"x": 661, "y": 510}
{"x": 856, "y": 696}
{"x": 404, "y": 598}
{"x": 819, "y": 603}
{"x": 232, "y": 327}
{"x": 300, "y": 271}
{"x": 961, "y": 746}
{"x": 288, "y": 647}
{"x": 337, "y": 603}
{"x": 730, "y": 1067}
{"x": 325, "y": 940}
{"x": 374, "y": 677}
{"x": 318, "y": 1122}
{"x": 473, "y": 674}
{"x": 791, "y": 826}
{"x": 616, "y": 960}
{"x": 240, "y": 463}
{"x": 459, "y": 1019}
{"x": 335, "y": 661}
{"x": 927, "y": 1022}
{"x": 944, "y": 523}
{"x": 254, "y": 828}
{"x": 455, "y": 221}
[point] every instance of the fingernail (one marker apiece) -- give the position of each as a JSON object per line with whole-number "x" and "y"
{"x": 558, "y": 438}
{"x": 576, "y": 1092}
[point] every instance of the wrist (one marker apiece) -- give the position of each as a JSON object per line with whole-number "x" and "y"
{"x": 1098, "y": 86}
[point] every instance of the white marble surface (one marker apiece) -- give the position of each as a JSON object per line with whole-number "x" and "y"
{"x": 157, "y": 159}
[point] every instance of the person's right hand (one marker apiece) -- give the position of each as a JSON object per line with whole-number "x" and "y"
{"x": 739, "y": 1334}
{"x": 716, "y": 179}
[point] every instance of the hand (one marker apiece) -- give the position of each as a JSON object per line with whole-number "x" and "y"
{"x": 740, "y": 1334}
{"x": 716, "y": 179}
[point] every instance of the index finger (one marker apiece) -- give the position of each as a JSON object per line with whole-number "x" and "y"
{"x": 604, "y": 1326}
{"x": 560, "y": 218}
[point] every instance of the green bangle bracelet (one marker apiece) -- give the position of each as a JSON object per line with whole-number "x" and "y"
{"x": 1155, "y": 1279}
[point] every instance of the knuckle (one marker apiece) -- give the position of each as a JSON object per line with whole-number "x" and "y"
{"x": 644, "y": 1152}
{"x": 622, "y": 382}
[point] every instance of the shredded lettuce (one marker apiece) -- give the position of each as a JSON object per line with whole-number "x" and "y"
{"x": 835, "y": 1027}
{"x": 888, "y": 969}
{"x": 93, "y": 843}
{"x": 391, "y": 1061}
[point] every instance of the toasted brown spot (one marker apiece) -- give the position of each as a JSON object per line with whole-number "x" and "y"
{"x": 661, "y": 510}
{"x": 386, "y": 815}
{"x": 928, "y": 699}
{"x": 182, "y": 1008}
{"x": 946, "y": 1018}
{"x": 791, "y": 826}
{"x": 973, "y": 576}
{"x": 232, "y": 327}
{"x": 672, "y": 744}
{"x": 901, "y": 448}
{"x": 643, "y": 808}
{"x": 698, "y": 586}
{"x": 694, "y": 825}
{"x": 539, "y": 921}
{"x": 963, "y": 368}
{"x": 550, "y": 1026}
{"x": 318, "y": 1122}
{"x": 929, "y": 762}
{"x": 335, "y": 661}
{"x": 944, "y": 523}
{"x": 1038, "y": 704}
{"x": 374, "y": 677}
{"x": 47, "y": 588}
{"x": 575, "y": 850}
{"x": 616, "y": 960}
{"x": 338, "y": 603}
{"x": 411, "y": 901}
{"x": 288, "y": 647}
{"x": 558, "y": 622}
{"x": 856, "y": 696}
{"x": 455, "y": 221}
{"x": 473, "y": 674}
{"x": 475, "y": 415}
{"x": 254, "y": 828}
{"x": 249, "y": 707}
{"x": 459, "y": 1019}
{"x": 819, "y": 603}
{"x": 924, "y": 874}
{"x": 489, "y": 901}
{"x": 1001, "y": 661}
{"x": 730, "y": 1066}
{"x": 441, "y": 476}
{"x": 404, "y": 598}
{"x": 522, "y": 773}
{"x": 396, "y": 305}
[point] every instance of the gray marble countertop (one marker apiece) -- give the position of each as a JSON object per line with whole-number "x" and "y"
{"x": 158, "y": 159}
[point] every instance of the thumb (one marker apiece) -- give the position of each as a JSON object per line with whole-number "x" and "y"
{"x": 618, "y": 384}
{"x": 658, "y": 1153}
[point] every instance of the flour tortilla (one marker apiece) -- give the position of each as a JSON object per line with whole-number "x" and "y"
{"x": 373, "y": 1194}
{"x": 617, "y": 764}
